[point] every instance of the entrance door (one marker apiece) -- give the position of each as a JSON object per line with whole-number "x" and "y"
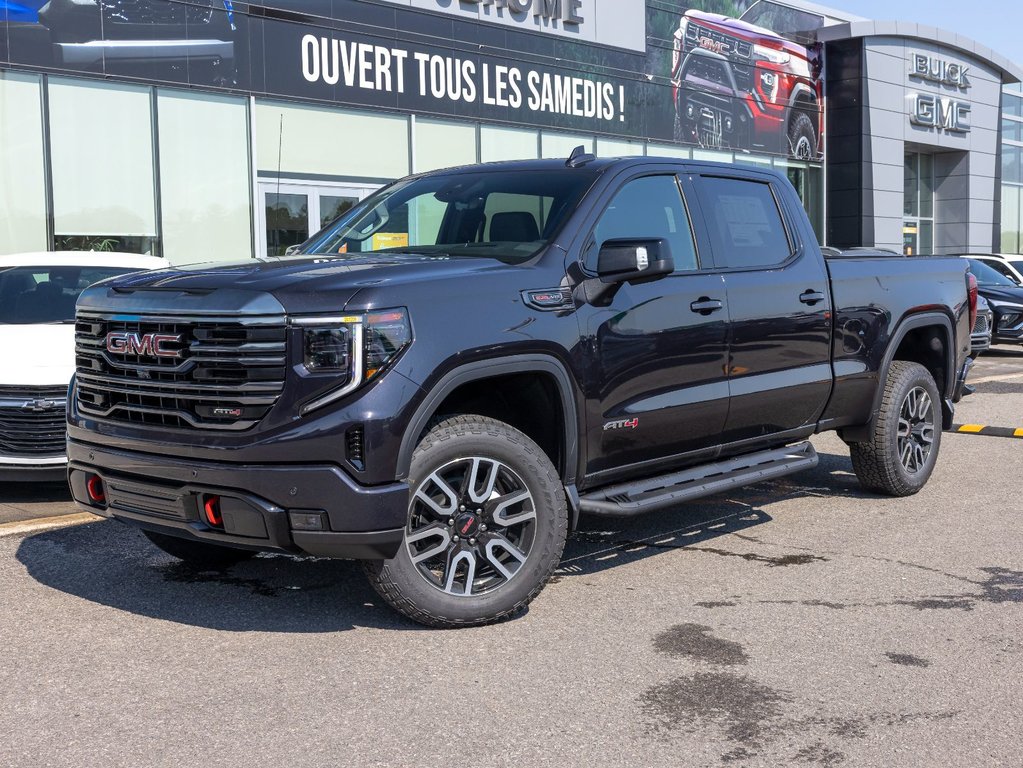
{"x": 289, "y": 213}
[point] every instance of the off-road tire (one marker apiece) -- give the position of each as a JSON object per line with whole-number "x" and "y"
{"x": 802, "y": 134}
{"x": 399, "y": 581}
{"x": 198, "y": 553}
{"x": 877, "y": 462}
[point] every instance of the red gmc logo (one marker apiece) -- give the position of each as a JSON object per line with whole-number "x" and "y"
{"x": 148, "y": 344}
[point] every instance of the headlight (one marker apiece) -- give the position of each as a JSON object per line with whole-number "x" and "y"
{"x": 352, "y": 348}
{"x": 772, "y": 55}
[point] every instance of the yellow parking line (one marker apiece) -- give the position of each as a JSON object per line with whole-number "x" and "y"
{"x": 45, "y": 523}
{"x": 971, "y": 427}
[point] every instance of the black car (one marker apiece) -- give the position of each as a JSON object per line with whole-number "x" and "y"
{"x": 1006, "y": 300}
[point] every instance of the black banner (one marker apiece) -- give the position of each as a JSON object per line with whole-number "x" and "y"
{"x": 706, "y": 79}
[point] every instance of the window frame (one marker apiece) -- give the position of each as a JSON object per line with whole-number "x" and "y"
{"x": 792, "y": 238}
{"x": 612, "y": 192}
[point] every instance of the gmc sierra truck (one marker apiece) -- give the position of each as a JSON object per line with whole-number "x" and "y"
{"x": 443, "y": 379}
{"x": 749, "y": 83}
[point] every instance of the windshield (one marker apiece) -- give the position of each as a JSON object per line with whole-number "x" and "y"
{"x": 497, "y": 214}
{"x": 32, "y": 295}
{"x": 790, "y": 23}
{"x": 987, "y": 276}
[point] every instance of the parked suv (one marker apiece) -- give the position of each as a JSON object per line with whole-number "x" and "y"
{"x": 37, "y": 344}
{"x": 441, "y": 381}
{"x": 1005, "y": 297}
{"x": 738, "y": 84}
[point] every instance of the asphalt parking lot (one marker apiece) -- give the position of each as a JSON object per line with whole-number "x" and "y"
{"x": 797, "y": 622}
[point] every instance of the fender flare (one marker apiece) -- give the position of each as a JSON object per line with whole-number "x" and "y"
{"x": 799, "y": 90}
{"x": 485, "y": 369}
{"x": 909, "y": 323}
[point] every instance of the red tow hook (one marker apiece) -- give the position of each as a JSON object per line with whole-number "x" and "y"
{"x": 94, "y": 487}
{"x": 211, "y": 508}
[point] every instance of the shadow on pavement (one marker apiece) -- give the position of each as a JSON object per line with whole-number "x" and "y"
{"x": 33, "y": 491}
{"x": 112, "y": 564}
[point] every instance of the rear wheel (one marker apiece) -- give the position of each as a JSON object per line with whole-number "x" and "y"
{"x": 198, "y": 553}
{"x": 900, "y": 457}
{"x": 487, "y": 526}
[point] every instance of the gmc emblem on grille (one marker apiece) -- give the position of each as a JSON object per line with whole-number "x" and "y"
{"x": 149, "y": 344}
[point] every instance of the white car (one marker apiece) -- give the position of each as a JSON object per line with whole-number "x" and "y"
{"x": 1009, "y": 265}
{"x": 38, "y": 292}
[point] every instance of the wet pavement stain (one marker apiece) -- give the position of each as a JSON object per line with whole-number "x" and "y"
{"x": 1001, "y": 586}
{"x": 781, "y": 561}
{"x": 907, "y": 659}
{"x": 694, "y": 641}
{"x": 183, "y": 573}
{"x": 744, "y": 708}
{"x": 716, "y": 604}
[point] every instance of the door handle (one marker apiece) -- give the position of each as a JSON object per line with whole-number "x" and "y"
{"x": 705, "y": 305}
{"x": 811, "y": 297}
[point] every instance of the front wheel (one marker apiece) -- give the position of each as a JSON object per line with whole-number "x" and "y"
{"x": 900, "y": 457}
{"x": 486, "y": 529}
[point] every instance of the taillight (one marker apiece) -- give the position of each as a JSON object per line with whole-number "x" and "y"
{"x": 971, "y": 293}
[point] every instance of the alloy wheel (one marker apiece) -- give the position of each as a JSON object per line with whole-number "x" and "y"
{"x": 472, "y": 523}
{"x": 916, "y": 429}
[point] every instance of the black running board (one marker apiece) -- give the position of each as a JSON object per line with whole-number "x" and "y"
{"x": 654, "y": 493}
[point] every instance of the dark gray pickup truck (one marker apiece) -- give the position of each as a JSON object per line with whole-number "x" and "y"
{"x": 442, "y": 380}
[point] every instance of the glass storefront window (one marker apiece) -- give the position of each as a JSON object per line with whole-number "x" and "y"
{"x": 22, "y": 186}
{"x": 911, "y": 186}
{"x": 101, "y": 150}
{"x": 287, "y": 221}
{"x": 443, "y": 144}
{"x": 499, "y": 143}
{"x": 618, "y": 148}
{"x": 1010, "y": 234}
{"x": 1012, "y": 104}
{"x": 668, "y": 150}
{"x": 204, "y": 177}
{"x": 918, "y": 204}
{"x": 1012, "y": 130}
{"x": 1011, "y": 164}
{"x": 317, "y": 141}
{"x": 562, "y": 144}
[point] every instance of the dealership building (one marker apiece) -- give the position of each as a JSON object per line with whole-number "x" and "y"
{"x": 212, "y": 130}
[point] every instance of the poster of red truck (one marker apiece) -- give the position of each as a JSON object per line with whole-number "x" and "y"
{"x": 749, "y": 78}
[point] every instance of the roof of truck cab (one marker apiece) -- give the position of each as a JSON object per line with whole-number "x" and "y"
{"x": 598, "y": 164}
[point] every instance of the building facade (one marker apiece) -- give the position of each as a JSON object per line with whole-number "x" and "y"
{"x": 212, "y": 130}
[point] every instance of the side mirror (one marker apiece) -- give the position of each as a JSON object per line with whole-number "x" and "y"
{"x": 292, "y": 249}
{"x": 634, "y": 261}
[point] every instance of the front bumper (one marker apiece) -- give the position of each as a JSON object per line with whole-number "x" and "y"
{"x": 14, "y": 469}
{"x": 165, "y": 494}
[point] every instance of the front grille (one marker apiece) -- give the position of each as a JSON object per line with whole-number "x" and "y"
{"x": 222, "y": 372}
{"x": 32, "y": 421}
{"x": 157, "y": 11}
{"x": 699, "y": 36}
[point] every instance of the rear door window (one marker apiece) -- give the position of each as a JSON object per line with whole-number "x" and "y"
{"x": 745, "y": 226}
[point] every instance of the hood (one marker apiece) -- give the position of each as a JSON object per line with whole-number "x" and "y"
{"x": 269, "y": 286}
{"x": 37, "y": 355}
{"x": 1001, "y": 293}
